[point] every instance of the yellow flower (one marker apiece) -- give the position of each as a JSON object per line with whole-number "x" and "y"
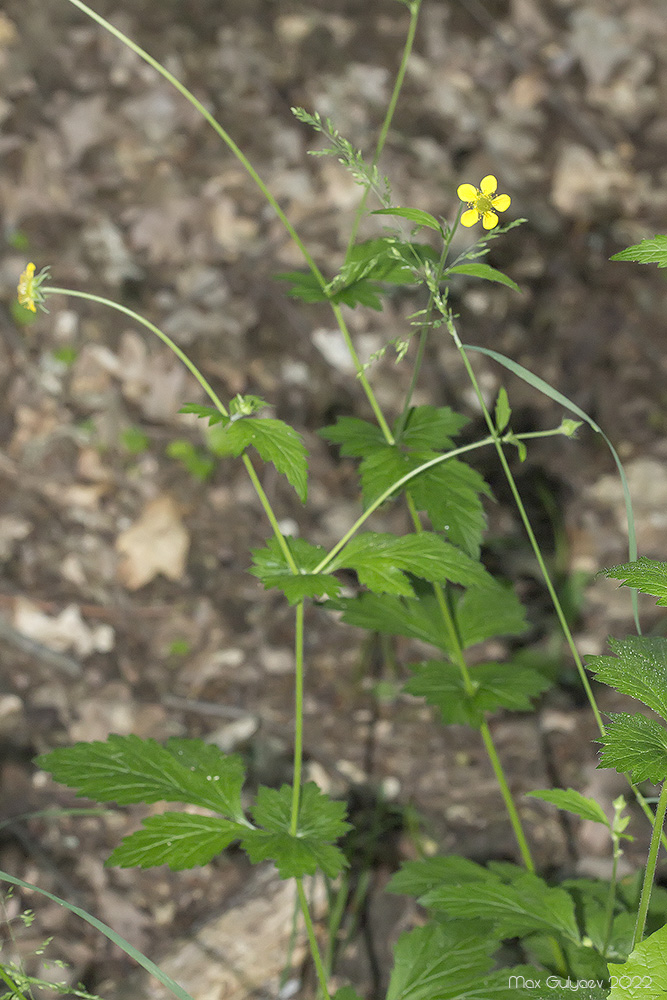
{"x": 28, "y": 287}
{"x": 481, "y": 202}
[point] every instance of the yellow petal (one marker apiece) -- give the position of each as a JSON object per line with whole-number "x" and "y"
{"x": 489, "y": 220}
{"x": 488, "y": 184}
{"x": 502, "y": 202}
{"x": 466, "y": 192}
{"x": 470, "y": 217}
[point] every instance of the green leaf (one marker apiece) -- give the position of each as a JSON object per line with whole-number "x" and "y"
{"x": 431, "y": 427}
{"x": 415, "y": 618}
{"x": 305, "y": 286}
{"x": 503, "y": 410}
{"x": 495, "y": 686}
{"x": 346, "y": 993}
{"x": 483, "y": 271}
{"x": 485, "y": 612}
{"x": 275, "y": 441}
{"x": 413, "y": 215}
{"x": 649, "y": 576}
{"x": 525, "y": 906}
{"x": 320, "y": 822}
{"x": 210, "y": 413}
{"x": 649, "y": 251}
{"x": 439, "y": 961}
{"x": 644, "y": 975}
{"x": 419, "y": 877}
{"x": 128, "y": 769}
{"x": 382, "y": 560}
{"x": 270, "y": 566}
{"x": 574, "y": 802}
{"x": 636, "y": 744}
{"x": 639, "y": 669}
{"x": 180, "y": 840}
{"x": 356, "y": 437}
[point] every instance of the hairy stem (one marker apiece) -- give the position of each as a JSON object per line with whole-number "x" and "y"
{"x": 651, "y": 861}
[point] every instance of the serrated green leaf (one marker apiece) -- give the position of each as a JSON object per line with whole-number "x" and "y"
{"x": 438, "y": 961}
{"x": 644, "y": 975}
{"x": 503, "y": 410}
{"x": 633, "y": 743}
{"x": 572, "y": 801}
{"x": 304, "y": 286}
{"x": 525, "y": 906}
{"x": 415, "y": 618}
{"x": 128, "y": 769}
{"x": 320, "y": 822}
{"x": 431, "y": 427}
{"x": 416, "y": 878}
{"x": 210, "y": 413}
{"x": 356, "y": 437}
{"x": 413, "y": 215}
{"x": 649, "y": 251}
{"x": 485, "y": 612}
{"x": 382, "y": 560}
{"x": 495, "y": 686}
{"x": 639, "y": 669}
{"x": 484, "y": 271}
{"x": 270, "y": 566}
{"x": 275, "y": 441}
{"x": 649, "y": 576}
{"x": 180, "y": 840}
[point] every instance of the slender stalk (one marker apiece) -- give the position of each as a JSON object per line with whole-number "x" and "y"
{"x": 298, "y": 718}
{"x": 192, "y": 368}
{"x": 312, "y": 939}
{"x": 611, "y": 897}
{"x": 12, "y": 985}
{"x": 560, "y": 614}
{"x": 651, "y": 861}
{"x": 384, "y": 131}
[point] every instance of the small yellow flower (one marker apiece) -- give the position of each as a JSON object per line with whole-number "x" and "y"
{"x": 28, "y": 287}
{"x": 481, "y": 202}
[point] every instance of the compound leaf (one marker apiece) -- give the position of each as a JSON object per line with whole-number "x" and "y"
{"x": 633, "y": 743}
{"x": 495, "y": 686}
{"x": 128, "y": 769}
{"x": 320, "y": 822}
{"x": 180, "y": 840}
{"x": 639, "y": 669}
{"x": 275, "y": 441}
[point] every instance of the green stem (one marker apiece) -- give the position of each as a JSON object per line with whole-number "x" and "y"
{"x": 12, "y": 985}
{"x": 248, "y": 167}
{"x": 651, "y": 861}
{"x": 560, "y": 614}
{"x": 192, "y": 368}
{"x": 331, "y": 555}
{"x": 298, "y": 719}
{"x": 611, "y": 896}
{"x": 215, "y": 125}
{"x": 312, "y": 939}
{"x": 407, "y": 50}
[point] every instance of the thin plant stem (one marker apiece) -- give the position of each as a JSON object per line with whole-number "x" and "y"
{"x": 12, "y": 985}
{"x": 611, "y": 897}
{"x": 651, "y": 861}
{"x": 248, "y": 167}
{"x": 458, "y": 656}
{"x": 384, "y": 131}
{"x": 298, "y": 720}
{"x": 312, "y": 940}
{"x": 560, "y": 614}
{"x": 192, "y": 368}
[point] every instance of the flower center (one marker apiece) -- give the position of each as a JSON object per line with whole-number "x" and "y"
{"x": 483, "y": 204}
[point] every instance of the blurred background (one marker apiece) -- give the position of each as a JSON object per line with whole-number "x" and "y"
{"x": 125, "y": 605}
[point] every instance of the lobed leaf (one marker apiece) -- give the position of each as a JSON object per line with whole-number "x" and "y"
{"x": 440, "y": 961}
{"x": 431, "y": 427}
{"x": 320, "y": 822}
{"x": 270, "y": 565}
{"x": 495, "y": 686}
{"x": 649, "y": 576}
{"x": 633, "y": 743}
{"x": 644, "y": 975}
{"x": 275, "y": 441}
{"x": 210, "y": 413}
{"x": 128, "y": 769}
